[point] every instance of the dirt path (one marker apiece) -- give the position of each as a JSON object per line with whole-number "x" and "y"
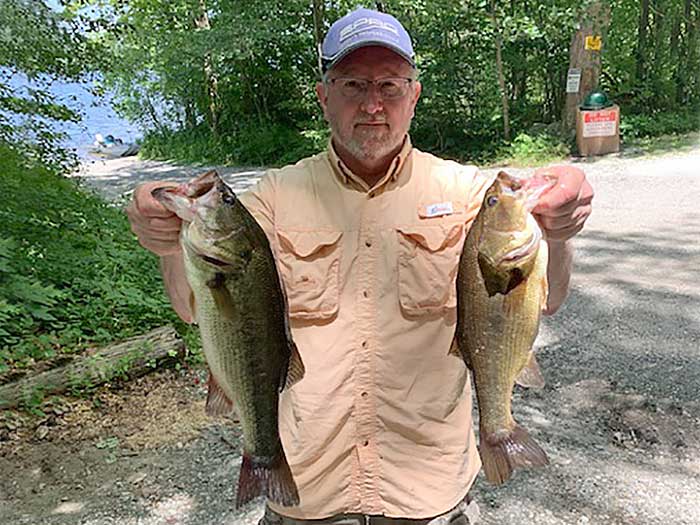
{"x": 619, "y": 417}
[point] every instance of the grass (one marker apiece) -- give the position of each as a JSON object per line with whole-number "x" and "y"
{"x": 677, "y": 143}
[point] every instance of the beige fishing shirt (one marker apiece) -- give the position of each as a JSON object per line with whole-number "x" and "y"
{"x": 381, "y": 423}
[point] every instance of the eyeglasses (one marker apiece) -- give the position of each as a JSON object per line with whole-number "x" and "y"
{"x": 390, "y": 88}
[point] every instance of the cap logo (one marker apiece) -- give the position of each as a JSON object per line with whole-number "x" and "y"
{"x": 363, "y": 24}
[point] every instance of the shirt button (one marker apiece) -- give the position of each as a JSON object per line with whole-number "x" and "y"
{"x": 371, "y": 195}
{"x": 368, "y": 243}
{"x": 364, "y": 394}
{"x": 365, "y": 443}
{"x": 364, "y": 344}
{"x": 365, "y": 293}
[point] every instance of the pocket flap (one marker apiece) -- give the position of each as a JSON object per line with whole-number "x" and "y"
{"x": 306, "y": 243}
{"x": 434, "y": 237}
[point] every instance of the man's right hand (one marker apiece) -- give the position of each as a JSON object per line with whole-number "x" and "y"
{"x": 157, "y": 228}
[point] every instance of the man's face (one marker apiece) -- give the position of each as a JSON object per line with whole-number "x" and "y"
{"x": 370, "y": 127}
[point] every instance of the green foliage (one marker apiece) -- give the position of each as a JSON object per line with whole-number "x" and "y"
{"x": 251, "y": 145}
{"x": 535, "y": 149}
{"x": 222, "y": 80}
{"x": 71, "y": 272}
{"x": 659, "y": 123}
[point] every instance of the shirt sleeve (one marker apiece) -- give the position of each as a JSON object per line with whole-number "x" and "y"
{"x": 477, "y": 185}
{"x": 259, "y": 201}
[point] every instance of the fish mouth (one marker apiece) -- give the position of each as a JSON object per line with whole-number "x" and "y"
{"x": 524, "y": 250}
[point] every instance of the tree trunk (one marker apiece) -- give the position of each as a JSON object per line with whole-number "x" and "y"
{"x": 679, "y": 36}
{"x": 594, "y": 21}
{"x": 190, "y": 119}
{"x": 660, "y": 45}
{"x": 210, "y": 78}
{"x": 131, "y": 358}
{"x": 694, "y": 55}
{"x": 153, "y": 115}
{"x": 318, "y": 37}
{"x": 688, "y": 54}
{"x": 641, "y": 49}
{"x": 499, "y": 67}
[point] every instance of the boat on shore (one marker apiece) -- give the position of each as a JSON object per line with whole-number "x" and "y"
{"x": 110, "y": 147}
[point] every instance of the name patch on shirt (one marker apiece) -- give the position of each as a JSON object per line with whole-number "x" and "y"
{"x": 438, "y": 209}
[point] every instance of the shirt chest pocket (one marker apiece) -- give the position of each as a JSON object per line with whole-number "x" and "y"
{"x": 428, "y": 263}
{"x": 309, "y": 263}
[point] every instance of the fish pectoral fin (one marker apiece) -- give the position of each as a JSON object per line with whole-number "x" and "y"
{"x": 193, "y": 307}
{"x": 295, "y": 369}
{"x": 531, "y": 375}
{"x": 495, "y": 281}
{"x": 457, "y": 352}
{"x": 221, "y": 295}
{"x": 454, "y": 348}
{"x": 218, "y": 403}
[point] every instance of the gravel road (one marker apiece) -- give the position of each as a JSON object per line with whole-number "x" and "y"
{"x": 619, "y": 416}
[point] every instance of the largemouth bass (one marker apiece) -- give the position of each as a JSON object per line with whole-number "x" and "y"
{"x": 501, "y": 290}
{"x": 241, "y": 310}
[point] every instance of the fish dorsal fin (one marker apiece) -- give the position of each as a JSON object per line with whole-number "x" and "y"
{"x": 218, "y": 403}
{"x": 295, "y": 368}
{"x": 531, "y": 375}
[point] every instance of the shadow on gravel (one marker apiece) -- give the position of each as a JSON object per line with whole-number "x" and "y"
{"x": 620, "y": 414}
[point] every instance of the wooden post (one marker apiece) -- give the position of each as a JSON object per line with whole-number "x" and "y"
{"x": 593, "y": 24}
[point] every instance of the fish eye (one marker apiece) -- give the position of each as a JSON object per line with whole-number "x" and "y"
{"x": 492, "y": 201}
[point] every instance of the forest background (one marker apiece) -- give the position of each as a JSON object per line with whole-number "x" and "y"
{"x": 232, "y": 81}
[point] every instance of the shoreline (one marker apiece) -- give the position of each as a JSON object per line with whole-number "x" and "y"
{"x": 116, "y": 178}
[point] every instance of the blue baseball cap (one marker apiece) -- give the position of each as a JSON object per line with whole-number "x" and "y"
{"x": 364, "y": 27}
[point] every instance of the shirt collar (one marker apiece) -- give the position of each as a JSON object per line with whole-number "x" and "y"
{"x": 396, "y": 168}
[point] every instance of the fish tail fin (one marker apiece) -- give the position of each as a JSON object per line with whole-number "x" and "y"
{"x": 501, "y": 454}
{"x": 271, "y": 478}
{"x": 281, "y": 487}
{"x": 251, "y": 480}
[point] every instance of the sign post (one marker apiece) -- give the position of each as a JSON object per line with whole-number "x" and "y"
{"x": 573, "y": 80}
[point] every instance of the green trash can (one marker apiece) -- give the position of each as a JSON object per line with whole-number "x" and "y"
{"x": 597, "y": 125}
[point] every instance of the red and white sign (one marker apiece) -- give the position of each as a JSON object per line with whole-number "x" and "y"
{"x": 601, "y": 123}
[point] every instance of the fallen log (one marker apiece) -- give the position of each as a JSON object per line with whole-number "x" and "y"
{"x": 127, "y": 359}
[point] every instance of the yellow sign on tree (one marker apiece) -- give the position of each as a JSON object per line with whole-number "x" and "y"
{"x": 593, "y": 43}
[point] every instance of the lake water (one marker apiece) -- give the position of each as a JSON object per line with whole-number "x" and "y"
{"x": 98, "y": 114}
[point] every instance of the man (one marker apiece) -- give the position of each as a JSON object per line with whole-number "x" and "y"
{"x": 367, "y": 237}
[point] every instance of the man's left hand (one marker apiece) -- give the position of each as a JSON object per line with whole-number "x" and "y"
{"x": 563, "y": 210}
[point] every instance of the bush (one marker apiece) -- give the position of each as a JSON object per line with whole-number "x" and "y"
{"x": 250, "y": 145}
{"x": 539, "y": 148}
{"x": 71, "y": 272}
{"x": 661, "y": 123}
